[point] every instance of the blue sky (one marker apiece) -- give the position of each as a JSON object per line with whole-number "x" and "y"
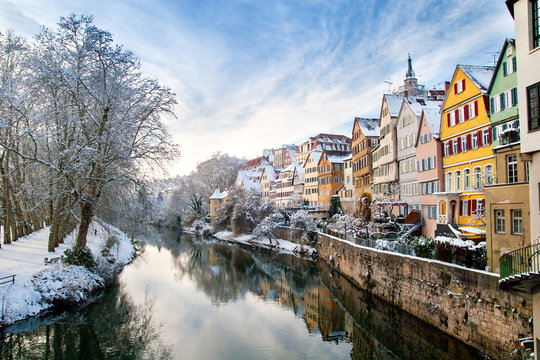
{"x": 256, "y": 74}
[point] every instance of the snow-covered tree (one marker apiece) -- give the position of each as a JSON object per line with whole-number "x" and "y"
{"x": 99, "y": 119}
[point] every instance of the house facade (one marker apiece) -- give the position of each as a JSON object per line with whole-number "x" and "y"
{"x": 468, "y": 160}
{"x": 365, "y": 137}
{"x": 347, "y": 190}
{"x": 507, "y": 201}
{"x": 323, "y": 142}
{"x": 217, "y": 199}
{"x": 268, "y": 179}
{"x": 429, "y": 167}
{"x": 311, "y": 179}
{"x": 289, "y": 193}
{"x": 331, "y": 176}
{"x": 385, "y": 166}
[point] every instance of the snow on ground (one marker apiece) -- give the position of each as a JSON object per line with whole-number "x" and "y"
{"x": 283, "y": 246}
{"x": 38, "y": 285}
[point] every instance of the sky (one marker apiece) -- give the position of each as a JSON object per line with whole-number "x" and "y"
{"x": 251, "y": 75}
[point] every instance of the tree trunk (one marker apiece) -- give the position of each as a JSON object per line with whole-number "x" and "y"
{"x": 87, "y": 212}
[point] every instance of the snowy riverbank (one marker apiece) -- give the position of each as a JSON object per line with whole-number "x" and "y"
{"x": 38, "y": 287}
{"x": 281, "y": 245}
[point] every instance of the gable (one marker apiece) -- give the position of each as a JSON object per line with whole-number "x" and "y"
{"x": 461, "y": 89}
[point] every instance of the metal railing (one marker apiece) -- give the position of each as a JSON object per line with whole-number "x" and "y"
{"x": 10, "y": 279}
{"x": 520, "y": 261}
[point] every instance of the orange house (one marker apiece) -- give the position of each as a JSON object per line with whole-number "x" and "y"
{"x": 331, "y": 176}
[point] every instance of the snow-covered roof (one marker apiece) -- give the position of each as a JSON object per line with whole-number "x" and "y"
{"x": 299, "y": 170}
{"x": 338, "y": 159}
{"x": 270, "y": 172}
{"x": 316, "y": 155}
{"x": 433, "y": 118}
{"x": 369, "y": 127}
{"x": 219, "y": 195}
{"x": 250, "y": 180}
{"x": 393, "y": 101}
{"x": 479, "y": 74}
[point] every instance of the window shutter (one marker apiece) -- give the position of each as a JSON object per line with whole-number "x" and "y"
{"x": 479, "y": 138}
{"x": 503, "y": 103}
{"x": 492, "y": 107}
{"x": 461, "y": 208}
{"x": 462, "y": 84}
{"x": 489, "y": 132}
{"x": 494, "y": 134}
{"x": 455, "y": 88}
{"x": 448, "y": 119}
{"x": 473, "y": 208}
{"x": 450, "y": 148}
{"x": 466, "y": 112}
{"x": 475, "y": 108}
{"x": 514, "y": 96}
{"x": 442, "y": 149}
{"x": 419, "y": 165}
{"x": 458, "y": 145}
{"x": 456, "y": 116}
{"x": 505, "y": 68}
{"x": 514, "y": 64}
{"x": 469, "y": 141}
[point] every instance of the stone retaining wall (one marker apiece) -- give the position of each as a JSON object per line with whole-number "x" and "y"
{"x": 464, "y": 303}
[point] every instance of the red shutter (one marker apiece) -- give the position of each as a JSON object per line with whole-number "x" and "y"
{"x": 470, "y": 207}
{"x": 455, "y": 88}
{"x": 469, "y": 141}
{"x": 466, "y": 113}
{"x": 489, "y": 132}
{"x": 461, "y": 208}
{"x": 456, "y": 116}
{"x": 473, "y": 209}
{"x": 459, "y": 145}
{"x": 448, "y": 119}
{"x": 475, "y": 108}
{"x": 479, "y": 137}
{"x": 463, "y": 85}
{"x": 450, "y": 148}
{"x": 442, "y": 149}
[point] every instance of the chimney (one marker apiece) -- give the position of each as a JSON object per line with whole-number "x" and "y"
{"x": 446, "y": 87}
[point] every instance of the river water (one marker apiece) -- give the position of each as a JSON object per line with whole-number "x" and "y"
{"x": 187, "y": 298}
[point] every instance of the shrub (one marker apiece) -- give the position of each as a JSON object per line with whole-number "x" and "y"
{"x": 81, "y": 256}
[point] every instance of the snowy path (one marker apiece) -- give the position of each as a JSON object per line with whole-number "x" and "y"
{"x": 24, "y": 257}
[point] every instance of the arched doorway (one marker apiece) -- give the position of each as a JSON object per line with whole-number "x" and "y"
{"x": 453, "y": 206}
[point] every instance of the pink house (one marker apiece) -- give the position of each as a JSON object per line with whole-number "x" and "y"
{"x": 429, "y": 167}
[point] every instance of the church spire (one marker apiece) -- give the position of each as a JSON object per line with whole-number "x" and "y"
{"x": 410, "y": 71}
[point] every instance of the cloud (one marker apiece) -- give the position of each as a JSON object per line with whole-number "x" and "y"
{"x": 251, "y": 74}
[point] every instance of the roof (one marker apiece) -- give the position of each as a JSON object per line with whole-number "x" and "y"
{"x": 316, "y": 155}
{"x": 299, "y": 170}
{"x": 369, "y": 127}
{"x": 338, "y": 159}
{"x": 249, "y": 179}
{"x": 393, "y": 101}
{"x": 219, "y": 195}
{"x": 510, "y": 6}
{"x": 502, "y": 55}
{"x": 480, "y": 75}
{"x": 270, "y": 171}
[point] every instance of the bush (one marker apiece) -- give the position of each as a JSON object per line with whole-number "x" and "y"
{"x": 81, "y": 256}
{"x": 423, "y": 247}
{"x": 460, "y": 252}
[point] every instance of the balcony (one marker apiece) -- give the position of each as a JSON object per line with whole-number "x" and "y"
{"x": 520, "y": 270}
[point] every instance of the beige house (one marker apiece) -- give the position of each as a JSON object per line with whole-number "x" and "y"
{"x": 311, "y": 178}
{"x": 217, "y": 199}
{"x": 321, "y": 142}
{"x": 520, "y": 268}
{"x": 346, "y": 192}
{"x": 268, "y": 179}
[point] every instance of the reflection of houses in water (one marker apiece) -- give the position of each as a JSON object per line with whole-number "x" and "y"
{"x": 285, "y": 295}
{"x": 323, "y": 312}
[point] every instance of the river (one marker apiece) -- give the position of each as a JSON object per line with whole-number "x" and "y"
{"x": 188, "y": 298}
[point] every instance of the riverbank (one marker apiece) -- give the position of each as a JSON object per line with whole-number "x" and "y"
{"x": 464, "y": 303}
{"x": 38, "y": 286}
{"x": 280, "y": 245}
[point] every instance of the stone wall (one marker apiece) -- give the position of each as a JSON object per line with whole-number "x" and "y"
{"x": 464, "y": 303}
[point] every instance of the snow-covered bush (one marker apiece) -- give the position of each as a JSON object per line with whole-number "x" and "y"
{"x": 305, "y": 225}
{"x": 202, "y": 228}
{"x": 67, "y": 285}
{"x": 340, "y": 223}
{"x": 80, "y": 256}
{"x": 265, "y": 229}
{"x": 461, "y": 252}
{"x": 422, "y": 246}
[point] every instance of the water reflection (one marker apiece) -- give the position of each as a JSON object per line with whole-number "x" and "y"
{"x": 220, "y": 301}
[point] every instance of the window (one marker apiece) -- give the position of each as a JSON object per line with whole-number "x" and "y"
{"x": 511, "y": 168}
{"x": 459, "y": 86}
{"x": 448, "y": 182}
{"x": 457, "y": 181}
{"x": 488, "y": 174}
{"x": 432, "y": 212}
{"x": 527, "y": 171}
{"x": 535, "y": 5}
{"x": 465, "y": 207}
{"x": 477, "y": 177}
{"x": 466, "y": 178}
{"x": 447, "y": 148}
{"x": 474, "y": 138}
{"x": 485, "y": 137}
{"x": 464, "y": 143}
{"x": 499, "y": 221}
{"x": 455, "y": 146}
{"x": 517, "y": 222}
{"x": 533, "y": 106}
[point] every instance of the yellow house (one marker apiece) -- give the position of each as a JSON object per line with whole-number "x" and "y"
{"x": 216, "y": 200}
{"x": 468, "y": 160}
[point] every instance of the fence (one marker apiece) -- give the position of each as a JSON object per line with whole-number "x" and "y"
{"x": 524, "y": 260}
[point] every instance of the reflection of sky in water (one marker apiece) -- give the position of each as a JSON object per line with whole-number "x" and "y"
{"x": 198, "y": 327}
